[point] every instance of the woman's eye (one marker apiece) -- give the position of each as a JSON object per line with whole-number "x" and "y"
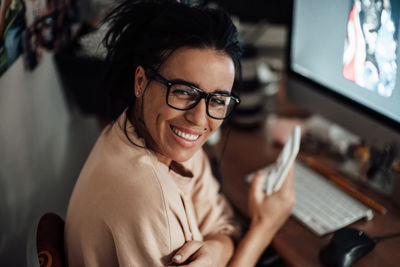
{"x": 180, "y": 92}
{"x": 218, "y": 101}
{"x": 184, "y": 93}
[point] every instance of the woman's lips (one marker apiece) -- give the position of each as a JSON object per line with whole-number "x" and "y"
{"x": 191, "y": 137}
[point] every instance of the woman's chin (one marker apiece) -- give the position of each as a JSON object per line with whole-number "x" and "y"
{"x": 175, "y": 155}
{"x": 184, "y": 156}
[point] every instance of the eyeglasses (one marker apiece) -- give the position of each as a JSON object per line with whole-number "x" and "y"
{"x": 184, "y": 96}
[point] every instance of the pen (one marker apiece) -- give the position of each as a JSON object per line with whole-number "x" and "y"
{"x": 344, "y": 184}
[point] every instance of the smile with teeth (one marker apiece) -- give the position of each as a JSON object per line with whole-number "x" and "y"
{"x": 187, "y": 136}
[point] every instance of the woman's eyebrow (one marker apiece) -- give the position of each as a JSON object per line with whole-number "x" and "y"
{"x": 219, "y": 91}
{"x": 185, "y": 82}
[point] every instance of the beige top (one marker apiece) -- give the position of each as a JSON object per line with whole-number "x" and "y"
{"x": 129, "y": 209}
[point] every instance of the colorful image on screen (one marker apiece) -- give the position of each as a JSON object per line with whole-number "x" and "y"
{"x": 369, "y": 57}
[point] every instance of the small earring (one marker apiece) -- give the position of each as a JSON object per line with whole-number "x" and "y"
{"x": 138, "y": 93}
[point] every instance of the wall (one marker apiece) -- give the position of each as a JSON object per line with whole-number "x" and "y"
{"x": 43, "y": 145}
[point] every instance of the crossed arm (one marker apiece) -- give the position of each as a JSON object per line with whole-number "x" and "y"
{"x": 267, "y": 213}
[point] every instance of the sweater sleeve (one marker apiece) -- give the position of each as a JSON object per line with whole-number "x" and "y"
{"x": 119, "y": 220}
{"x": 141, "y": 230}
{"x": 213, "y": 211}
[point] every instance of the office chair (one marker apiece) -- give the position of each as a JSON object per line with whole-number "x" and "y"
{"x": 46, "y": 242}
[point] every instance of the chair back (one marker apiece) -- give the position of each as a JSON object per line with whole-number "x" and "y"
{"x": 48, "y": 250}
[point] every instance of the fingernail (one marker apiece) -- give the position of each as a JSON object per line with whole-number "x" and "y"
{"x": 177, "y": 257}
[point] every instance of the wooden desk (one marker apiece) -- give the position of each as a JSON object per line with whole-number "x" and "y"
{"x": 247, "y": 151}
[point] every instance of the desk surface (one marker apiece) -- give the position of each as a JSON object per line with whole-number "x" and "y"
{"x": 248, "y": 151}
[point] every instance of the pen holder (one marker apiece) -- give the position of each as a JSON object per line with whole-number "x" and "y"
{"x": 396, "y": 183}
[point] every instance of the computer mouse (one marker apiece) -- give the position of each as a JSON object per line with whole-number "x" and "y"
{"x": 347, "y": 246}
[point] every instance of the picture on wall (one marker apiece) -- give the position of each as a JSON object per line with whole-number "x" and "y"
{"x": 49, "y": 27}
{"x": 12, "y": 25}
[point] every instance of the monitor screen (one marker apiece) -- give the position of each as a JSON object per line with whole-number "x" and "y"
{"x": 348, "y": 52}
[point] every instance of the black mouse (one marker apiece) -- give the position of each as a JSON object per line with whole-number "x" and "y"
{"x": 346, "y": 247}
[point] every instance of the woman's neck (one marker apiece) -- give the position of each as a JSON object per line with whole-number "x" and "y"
{"x": 163, "y": 159}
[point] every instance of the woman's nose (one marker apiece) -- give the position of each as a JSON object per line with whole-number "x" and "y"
{"x": 198, "y": 114}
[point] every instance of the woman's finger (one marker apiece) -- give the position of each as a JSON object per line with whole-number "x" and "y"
{"x": 289, "y": 181}
{"x": 287, "y": 191}
{"x": 198, "y": 262}
{"x": 257, "y": 186}
{"x": 187, "y": 250}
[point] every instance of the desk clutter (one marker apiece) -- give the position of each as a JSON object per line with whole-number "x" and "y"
{"x": 258, "y": 91}
{"x": 374, "y": 164}
{"x": 262, "y": 66}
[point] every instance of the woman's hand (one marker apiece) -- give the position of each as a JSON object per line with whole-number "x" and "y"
{"x": 214, "y": 251}
{"x": 270, "y": 212}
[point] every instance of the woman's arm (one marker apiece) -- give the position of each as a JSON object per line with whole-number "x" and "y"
{"x": 268, "y": 213}
{"x": 216, "y": 250}
{"x": 215, "y": 220}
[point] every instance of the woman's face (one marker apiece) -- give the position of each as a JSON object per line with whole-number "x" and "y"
{"x": 178, "y": 134}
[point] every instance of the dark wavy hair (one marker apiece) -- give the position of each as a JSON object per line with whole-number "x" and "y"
{"x": 144, "y": 33}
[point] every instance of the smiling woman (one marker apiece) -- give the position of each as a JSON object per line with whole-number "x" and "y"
{"x": 146, "y": 195}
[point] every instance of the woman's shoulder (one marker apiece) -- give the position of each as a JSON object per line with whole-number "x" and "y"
{"x": 116, "y": 170}
{"x": 109, "y": 188}
{"x": 115, "y": 151}
{"x": 133, "y": 170}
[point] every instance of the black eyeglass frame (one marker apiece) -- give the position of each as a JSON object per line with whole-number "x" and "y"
{"x": 151, "y": 74}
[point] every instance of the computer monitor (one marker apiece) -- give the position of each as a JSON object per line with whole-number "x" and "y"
{"x": 343, "y": 63}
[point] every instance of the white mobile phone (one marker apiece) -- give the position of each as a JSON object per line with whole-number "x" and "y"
{"x": 275, "y": 174}
{"x": 285, "y": 161}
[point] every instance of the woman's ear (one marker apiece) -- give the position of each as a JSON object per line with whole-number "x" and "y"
{"x": 140, "y": 81}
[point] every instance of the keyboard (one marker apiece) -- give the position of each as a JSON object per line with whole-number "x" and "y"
{"x": 322, "y": 206}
